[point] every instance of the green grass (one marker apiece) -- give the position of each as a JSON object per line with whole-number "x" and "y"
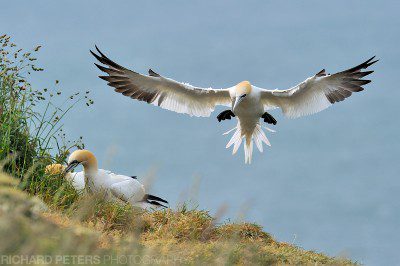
{"x": 31, "y": 134}
{"x": 42, "y": 214}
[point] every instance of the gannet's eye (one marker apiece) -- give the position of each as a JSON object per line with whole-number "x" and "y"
{"x": 244, "y": 95}
{"x": 71, "y": 166}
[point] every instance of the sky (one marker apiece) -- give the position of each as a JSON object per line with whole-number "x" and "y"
{"x": 328, "y": 183}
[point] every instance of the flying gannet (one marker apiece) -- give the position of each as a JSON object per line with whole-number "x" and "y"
{"x": 247, "y": 102}
{"x": 125, "y": 188}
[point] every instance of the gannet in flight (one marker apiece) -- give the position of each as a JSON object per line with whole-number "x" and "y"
{"x": 125, "y": 188}
{"x": 247, "y": 102}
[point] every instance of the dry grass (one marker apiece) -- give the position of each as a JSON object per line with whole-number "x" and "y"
{"x": 96, "y": 227}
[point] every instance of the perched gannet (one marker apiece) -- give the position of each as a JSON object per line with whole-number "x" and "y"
{"x": 248, "y": 103}
{"x": 125, "y": 188}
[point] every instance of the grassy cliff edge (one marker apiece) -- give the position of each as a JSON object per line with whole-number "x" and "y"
{"x": 108, "y": 233}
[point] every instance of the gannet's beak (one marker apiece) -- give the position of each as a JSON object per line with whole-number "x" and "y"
{"x": 71, "y": 166}
{"x": 238, "y": 100}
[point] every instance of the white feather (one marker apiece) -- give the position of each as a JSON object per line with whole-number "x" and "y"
{"x": 318, "y": 92}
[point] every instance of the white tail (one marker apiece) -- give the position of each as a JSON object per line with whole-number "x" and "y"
{"x": 258, "y": 136}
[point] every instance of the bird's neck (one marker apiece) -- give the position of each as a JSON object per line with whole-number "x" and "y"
{"x": 90, "y": 171}
{"x": 90, "y": 166}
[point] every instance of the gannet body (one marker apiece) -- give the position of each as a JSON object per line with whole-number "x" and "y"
{"x": 248, "y": 103}
{"x": 77, "y": 180}
{"x": 125, "y": 188}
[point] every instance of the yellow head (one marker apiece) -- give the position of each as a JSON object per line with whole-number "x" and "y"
{"x": 84, "y": 157}
{"x": 242, "y": 90}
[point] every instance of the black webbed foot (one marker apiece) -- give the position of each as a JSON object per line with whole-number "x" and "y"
{"x": 227, "y": 114}
{"x": 268, "y": 118}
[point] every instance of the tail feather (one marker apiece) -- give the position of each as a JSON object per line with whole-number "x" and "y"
{"x": 154, "y": 200}
{"x": 258, "y": 140}
{"x": 156, "y": 203}
{"x": 237, "y": 145}
{"x": 236, "y": 139}
{"x": 229, "y": 131}
{"x": 248, "y": 150}
{"x": 258, "y": 136}
{"x": 270, "y": 130}
{"x": 152, "y": 197}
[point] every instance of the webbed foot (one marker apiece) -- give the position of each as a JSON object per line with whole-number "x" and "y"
{"x": 227, "y": 114}
{"x": 268, "y": 118}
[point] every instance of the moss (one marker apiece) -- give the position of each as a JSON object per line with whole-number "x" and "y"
{"x": 243, "y": 231}
{"x": 181, "y": 225}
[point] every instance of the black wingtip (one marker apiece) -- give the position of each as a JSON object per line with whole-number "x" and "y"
{"x": 153, "y": 74}
{"x": 363, "y": 65}
{"x": 155, "y": 198}
{"x": 100, "y": 67}
{"x": 370, "y": 62}
{"x": 95, "y": 55}
{"x": 371, "y": 58}
{"x": 373, "y": 62}
{"x": 157, "y": 204}
{"x": 102, "y": 58}
{"x": 321, "y": 73}
{"x": 97, "y": 48}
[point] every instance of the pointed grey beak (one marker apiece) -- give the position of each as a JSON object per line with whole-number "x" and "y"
{"x": 237, "y": 101}
{"x": 71, "y": 166}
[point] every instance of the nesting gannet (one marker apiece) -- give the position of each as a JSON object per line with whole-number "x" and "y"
{"x": 248, "y": 103}
{"x": 125, "y": 188}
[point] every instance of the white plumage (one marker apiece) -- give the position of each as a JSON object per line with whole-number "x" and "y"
{"x": 248, "y": 102}
{"x": 125, "y": 188}
{"x": 77, "y": 180}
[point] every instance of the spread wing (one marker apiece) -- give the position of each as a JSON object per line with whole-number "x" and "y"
{"x": 318, "y": 92}
{"x": 161, "y": 91}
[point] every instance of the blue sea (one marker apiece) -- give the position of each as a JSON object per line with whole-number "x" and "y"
{"x": 330, "y": 182}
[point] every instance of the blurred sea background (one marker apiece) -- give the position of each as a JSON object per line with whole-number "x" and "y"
{"x": 330, "y": 182}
